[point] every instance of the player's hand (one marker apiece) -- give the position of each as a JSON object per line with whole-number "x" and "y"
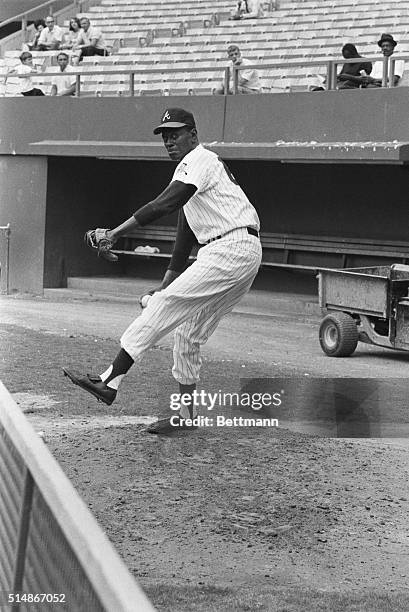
{"x": 100, "y": 240}
{"x": 169, "y": 277}
{"x": 144, "y": 299}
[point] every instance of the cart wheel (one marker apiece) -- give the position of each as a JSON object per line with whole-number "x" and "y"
{"x": 338, "y": 335}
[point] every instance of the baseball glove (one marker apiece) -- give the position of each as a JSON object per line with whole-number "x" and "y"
{"x": 97, "y": 239}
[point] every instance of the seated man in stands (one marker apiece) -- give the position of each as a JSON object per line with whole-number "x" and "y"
{"x": 90, "y": 40}
{"x": 352, "y": 76}
{"x": 39, "y": 26}
{"x": 64, "y": 83}
{"x": 51, "y": 37}
{"x": 387, "y": 45}
{"x": 248, "y": 81}
{"x": 248, "y": 9}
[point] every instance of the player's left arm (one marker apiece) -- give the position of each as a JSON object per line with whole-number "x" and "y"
{"x": 171, "y": 199}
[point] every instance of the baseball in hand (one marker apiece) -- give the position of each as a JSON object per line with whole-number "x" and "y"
{"x": 145, "y": 300}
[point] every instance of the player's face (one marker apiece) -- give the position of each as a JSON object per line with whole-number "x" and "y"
{"x": 178, "y": 142}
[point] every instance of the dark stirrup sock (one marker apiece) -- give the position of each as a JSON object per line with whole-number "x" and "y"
{"x": 117, "y": 370}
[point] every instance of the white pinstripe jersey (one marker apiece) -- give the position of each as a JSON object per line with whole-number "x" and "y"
{"x": 219, "y": 204}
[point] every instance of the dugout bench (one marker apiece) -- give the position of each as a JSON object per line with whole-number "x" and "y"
{"x": 280, "y": 250}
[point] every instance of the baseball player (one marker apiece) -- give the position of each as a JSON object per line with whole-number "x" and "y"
{"x": 215, "y": 212}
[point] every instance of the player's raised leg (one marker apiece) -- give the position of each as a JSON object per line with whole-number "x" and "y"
{"x": 105, "y": 386}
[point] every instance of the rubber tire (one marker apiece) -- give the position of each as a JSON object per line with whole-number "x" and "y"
{"x": 338, "y": 335}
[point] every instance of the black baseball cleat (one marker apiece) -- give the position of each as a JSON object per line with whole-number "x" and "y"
{"x": 170, "y": 425}
{"x": 93, "y": 384}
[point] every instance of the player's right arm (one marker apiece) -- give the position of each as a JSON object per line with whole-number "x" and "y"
{"x": 185, "y": 240}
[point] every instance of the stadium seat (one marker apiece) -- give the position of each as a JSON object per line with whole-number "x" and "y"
{"x": 297, "y": 30}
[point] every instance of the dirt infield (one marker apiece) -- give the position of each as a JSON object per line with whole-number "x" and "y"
{"x": 219, "y": 519}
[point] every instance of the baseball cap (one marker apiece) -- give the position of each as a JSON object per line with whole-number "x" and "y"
{"x": 175, "y": 118}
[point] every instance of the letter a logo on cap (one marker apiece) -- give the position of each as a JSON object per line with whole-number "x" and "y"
{"x": 166, "y": 116}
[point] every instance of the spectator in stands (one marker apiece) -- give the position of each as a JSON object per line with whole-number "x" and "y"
{"x": 248, "y": 9}
{"x": 64, "y": 83}
{"x": 51, "y": 36}
{"x": 39, "y": 26}
{"x": 248, "y": 81}
{"x": 91, "y": 40}
{"x": 71, "y": 39}
{"x": 352, "y": 76}
{"x": 387, "y": 45}
{"x": 25, "y": 70}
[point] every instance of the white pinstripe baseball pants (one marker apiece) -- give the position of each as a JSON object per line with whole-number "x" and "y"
{"x": 195, "y": 302}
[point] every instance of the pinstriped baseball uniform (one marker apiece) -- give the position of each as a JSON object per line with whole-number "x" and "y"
{"x": 219, "y": 204}
{"x": 225, "y": 268}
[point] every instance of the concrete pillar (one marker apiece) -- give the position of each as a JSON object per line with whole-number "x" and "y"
{"x": 23, "y": 185}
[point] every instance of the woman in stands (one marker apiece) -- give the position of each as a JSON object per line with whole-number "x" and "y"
{"x": 72, "y": 37}
{"x": 353, "y": 76}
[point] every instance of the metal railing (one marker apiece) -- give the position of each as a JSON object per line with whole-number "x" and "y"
{"x": 331, "y": 68}
{"x": 130, "y": 73}
{"x": 229, "y": 72}
{"x": 4, "y": 258}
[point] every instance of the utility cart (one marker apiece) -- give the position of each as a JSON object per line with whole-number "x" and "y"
{"x": 364, "y": 304}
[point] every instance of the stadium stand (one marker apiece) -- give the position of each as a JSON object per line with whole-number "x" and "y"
{"x": 194, "y": 34}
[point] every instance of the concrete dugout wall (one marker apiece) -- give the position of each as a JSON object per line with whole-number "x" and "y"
{"x": 23, "y": 187}
{"x": 347, "y": 116}
{"x": 80, "y": 120}
{"x": 361, "y": 115}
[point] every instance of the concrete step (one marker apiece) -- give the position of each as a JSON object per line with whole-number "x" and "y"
{"x": 257, "y": 302}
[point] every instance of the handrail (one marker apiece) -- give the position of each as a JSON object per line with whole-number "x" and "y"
{"x": 23, "y": 16}
{"x": 130, "y": 72}
{"x": 330, "y": 63}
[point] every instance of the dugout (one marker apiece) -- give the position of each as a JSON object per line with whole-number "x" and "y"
{"x": 327, "y": 175}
